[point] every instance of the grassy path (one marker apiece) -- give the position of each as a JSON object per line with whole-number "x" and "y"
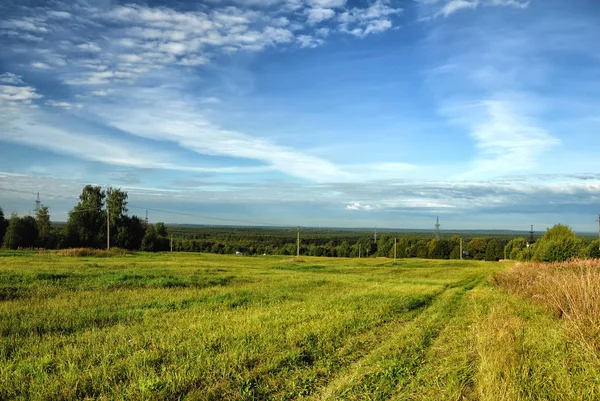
{"x": 181, "y": 326}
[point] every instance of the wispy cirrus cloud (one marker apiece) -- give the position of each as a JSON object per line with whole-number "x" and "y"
{"x": 444, "y": 8}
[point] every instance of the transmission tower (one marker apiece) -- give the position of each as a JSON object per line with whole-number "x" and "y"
{"x": 38, "y": 203}
{"x": 146, "y": 217}
{"x": 531, "y": 239}
{"x": 438, "y": 236}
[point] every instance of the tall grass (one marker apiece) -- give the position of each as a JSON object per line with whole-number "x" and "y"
{"x": 571, "y": 290}
{"x": 83, "y": 252}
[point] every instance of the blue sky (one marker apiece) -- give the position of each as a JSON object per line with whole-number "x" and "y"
{"x": 306, "y": 112}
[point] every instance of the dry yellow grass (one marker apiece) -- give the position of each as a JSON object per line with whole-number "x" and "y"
{"x": 571, "y": 290}
{"x": 83, "y": 252}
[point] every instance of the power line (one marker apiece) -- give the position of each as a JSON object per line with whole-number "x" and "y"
{"x": 259, "y": 223}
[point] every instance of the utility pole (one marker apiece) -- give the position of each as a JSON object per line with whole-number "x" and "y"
{"x": 599, "y": 230}
{"x": 107, "y": 227}
{"x": 171, "y": 242}
{"x": 146, "y": 217}
{"x": 359, "y": 249}
{"x": 461, "y": 251}
{"x": 298, "y": 245}
{"x": 108, "y": 191}
{"x": 395, "y": 246}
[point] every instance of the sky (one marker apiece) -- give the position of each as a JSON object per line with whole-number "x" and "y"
{"x": 342, "y": 113}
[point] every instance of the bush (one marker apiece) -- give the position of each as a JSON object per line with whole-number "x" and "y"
{"x": 83, "y": 252}
{"x": 559, "y": 244}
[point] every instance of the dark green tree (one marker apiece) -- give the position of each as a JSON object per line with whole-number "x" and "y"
{"x": 494, "y": 251}
{"x": 476, "y": 248}
{"x": 161, "y": 229}
{"x": 86, "y": 225}
{"x": 593, "y": 250}
{"x": 116, "y": 201}
{"x": 44, "y": 228}
{"x": 21, "y": 232}
{"x": 149, "y": 241}
{"x": 130, "y": 232}
{"x": 559, "y": 244}
{"x": 514, "y": 247}
{"x": 3, "y": 225}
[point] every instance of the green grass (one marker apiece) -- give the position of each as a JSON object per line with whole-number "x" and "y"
{"x": 210, "y": 327}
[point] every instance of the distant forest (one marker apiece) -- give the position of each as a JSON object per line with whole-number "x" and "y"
{"x": 86, "y": 227}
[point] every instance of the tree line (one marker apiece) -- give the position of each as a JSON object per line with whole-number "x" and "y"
{"x": 86, "y": 226}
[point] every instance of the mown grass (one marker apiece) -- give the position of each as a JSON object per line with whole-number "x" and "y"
{"x": 210, "y": 327}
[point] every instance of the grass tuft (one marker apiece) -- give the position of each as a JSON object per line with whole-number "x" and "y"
{"x": 571, "y": 290}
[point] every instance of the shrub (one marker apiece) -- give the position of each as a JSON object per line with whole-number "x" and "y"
{"x": 83, "y": 252}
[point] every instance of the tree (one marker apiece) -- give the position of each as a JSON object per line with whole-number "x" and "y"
{"x": 514, "y": 247}
{"x": 116, "y": 201}
{"x": 476, "y": 248}
{"x": 593, "y": 250}
{"x": 130, "y": 233}
{"x": 161, "y": 229}
{"x": 3, "y": 225}
{"x": 559, "y": 244}
{"x": 44, "y": 228}
{"x": 86, "y": 224}
{"x": 493, "y": 252}
{"x": 149, "y": 241}
{"x": 21, "y": 232}
{"x": 343, "y": 250}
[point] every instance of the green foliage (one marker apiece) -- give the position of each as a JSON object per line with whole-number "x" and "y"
{"x": 86, "y": 226}
{"x": 3, "y": 226}
{"x": 559, "y": 244}
{"x": 21, "y": 232}
{"x": 116, "y": 201}
{"x": 477, "y": 248}
{"x": 514, "y": 247}
{"x": 493, "y": 252}
{"x": 130, "y": 233}
{"x": 593, "y": 250}
{"x": 161, "y": 229}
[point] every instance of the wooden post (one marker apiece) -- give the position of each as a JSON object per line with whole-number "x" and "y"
{"x": 298, "y": 245}
{"x": 107, "y": 227}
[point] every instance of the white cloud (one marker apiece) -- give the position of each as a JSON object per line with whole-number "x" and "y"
{"x": 89, "y": 47}
{"x": 63, "y": 105}
{"x": 374, "y": 19}
{"x": 100, "y": 93}
{"x": 508, "y": 140}
{"x": 59, "y": 14}
{"x": 357, "y": 206}
{"x": 40, "y": 65}
{"x": 10, "y": 78}
{"x": 161, "y": 115}
{"x": 24, "y": 94}
{"x": 327, "y": 3}
{"x": 316, "y": 15}
{"x": 309, "y": 41}
{"x": 456, "y": 5}
{"x": 448, "y": 7}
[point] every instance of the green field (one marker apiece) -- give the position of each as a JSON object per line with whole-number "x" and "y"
{"x": 191, "y": 326}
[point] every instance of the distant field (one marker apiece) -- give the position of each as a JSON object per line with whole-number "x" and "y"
{"x": 211, "y": 327}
